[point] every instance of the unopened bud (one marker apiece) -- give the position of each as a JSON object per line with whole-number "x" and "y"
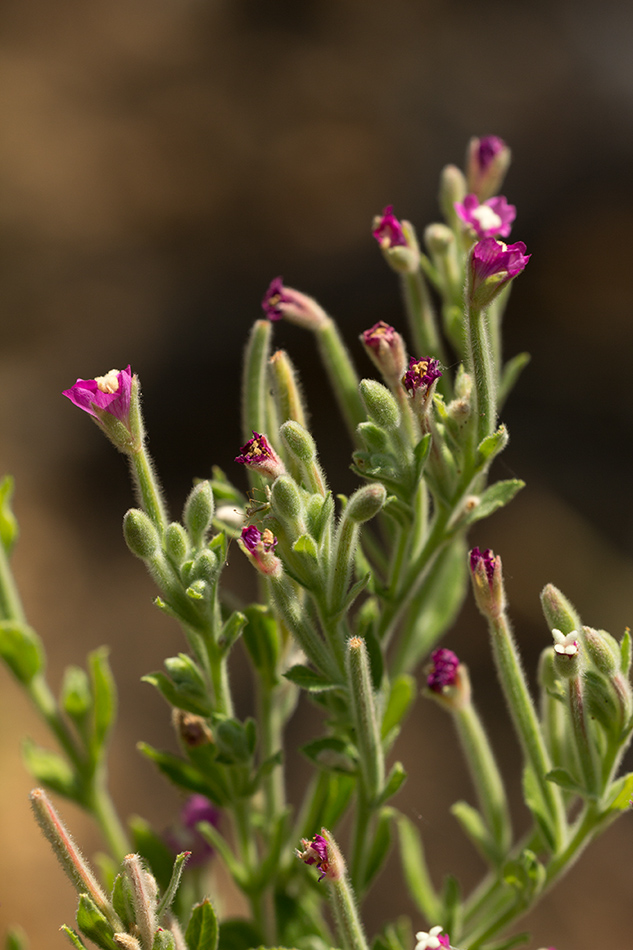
{"x": 366, "y": 503}
{"x": 559, "y": 612}
{"x": 487, "y": 578}
{"x": 298, "y": 441}
{"x": 447, "y": 680}
{"x": 286, "y": 499}
{"x": 193, "y": 730}
{"x": 198, "y": 512}
{"x": 126, "y": 941}
{"x": 176, "y": 543}
{"x": 603, "y": 650}
{"x": 452, "y": 189}
{"x": 381, "y": 406}
{"x": 439, "y": 239}
{"x": 385, "y": 347}
{"x": 140, "y": 534}
{"x": 375, "y": 438}
{"x": 487, "y": 161}
{"x": 144, "y": 892}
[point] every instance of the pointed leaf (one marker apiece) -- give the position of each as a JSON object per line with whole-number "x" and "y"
{"x": 184, "y": 775}
{"x": 565, "y": 780}
{"x": 202, "y": 929}
{"x": 380, "y": 845}
{"x": 21, "y": 649}
{"x": 330, "y": 752}
{"x": 497, "y": 496}
{"x": 308, "y": 679}
{"x": 52, "y": 770}
{"x": 17, "y": 939}
{"x": 8, "y": 522}
{"x": 93, "y": 924}
{"x": 74, "y": 938}
{"x": 416, "y": 873}
{"x": 625, "y": 652}
{"x": 104, "y": 695}
{"x": 395, "y": 780}
{"x": 401, "y": 696}
{"x": 475, "y": 828}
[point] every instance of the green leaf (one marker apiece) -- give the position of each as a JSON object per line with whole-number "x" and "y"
{"x": 174, "y": 883}
{"x": 202, "y": 929}
{"x": 319, "y": 513}
{"x": 21, "y": 649}
{"x": 565, "y": 780}
{"x": 511, "y": 372}
{"x": 8, "y": 522}
{"x": 104, "y": 695}
{"x": 474, "y": 827}
{"x": 123, "y": 900}
{"x": 452, "y": 897}
{"x": 416, "y": 874}
{"x": 625, "y": 652}
{"x": 491, "y": 446}
{"x": 534, "y": 801}
{"x": 401, "y": 696}
{"x": 526, "y": 875}
{"x": 184, "y": 775}
{"x": 74, "y": 938}
{"x": 261, "y": 639}
{"x": 330, "y": 752}
{"x": 306, "y": 547}
{"x": 395, "y": 780}
{"x": 76, "y": 698}
{"x": 380, "y": 845}
{"x": 308, "y": 679}
{"x": 420, "y": 455}
{"x": 178, "y": 698}
{"x": 52, "y": 770}
{"x": 238, "y": 935}
{"x": 93, "y": 924}
{"x": 232, "y": 631}
{"x": 16, "y": 939}
{"x": 497, "y": 496}
{"x": 622, "y": 792}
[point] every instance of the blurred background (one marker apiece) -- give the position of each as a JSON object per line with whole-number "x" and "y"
{"x": 160, "y": 162}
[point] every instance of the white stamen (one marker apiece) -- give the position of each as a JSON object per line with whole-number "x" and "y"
{"x": 565, "y": 645}
{"x": 487, "y": 219}
{"x": 108, "y": 383}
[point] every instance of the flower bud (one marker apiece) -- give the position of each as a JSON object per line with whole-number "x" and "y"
{"x": 140, "y": 534}
{"x": 204, "y": 567}
{"x": 176, "y": 543}
{"x": 281, "y": 301}
{"x": 259, "y": 548}
{"x": 602, "y": 649}
{"x": 487, "y": 161}
{"x": 385, "y": 348}
{"x": 567, "y": 659}
{"x": 286, "y": 500}
{"x": 452, "y": 189}
{"x": 192, "y": 730}
{"x": 447, "y": 680}
{"x": 439, "y": 239}
{"x": 397, "y": 241}
{"x": 559, "y": 612}
{"x": 381, "y": 406}
{"x": 298, "y": 441}
{"x": 286, "y": 388}
{"x": 259, "y": 456}
{"x": 487, "y": 579}
{"x": 366, "y": 503}
{"x": 198, "y": 512}
{"x": 323, "y": 851}
{"x": 375, "y": 438}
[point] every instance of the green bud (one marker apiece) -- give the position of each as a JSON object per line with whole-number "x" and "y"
{"x": 298, "y": 441}
{"x": 286, "y": 499}
{"x": 198, "y": 590}
{"x": 176, "y": 543}
{"x": 363, "y": 704}
{"x": 438, "y": 239}
{"x": 381, "y": 406}
{"x": 374, "y": 437}
{"x": 286, "y": 391}
{"x": 164, "y": 940}
{"x": 366, "y": 503}
{"x": 452, "y": 188}
{"x": 559, "y": 612}
{"x": 140, "y": 534}
{"x": 198, "y": 512}
{"x": 76, "y": 698}
{"x": 205, "y": 566}
{"x": 603, "y": 650}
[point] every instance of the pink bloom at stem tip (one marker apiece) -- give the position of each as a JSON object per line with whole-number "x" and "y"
{"x": 315, "y": 852}
{"x": 388, "y": 230}
{"x": 421, "y": 374}
{"x": 109, "y": 393}
{"x": 488, "y": 219}
{"x": 275, "y": 295}
{"x": 444, "y": 670}
{"x": 258, "y": 455}
{"x": 487, "y": 559}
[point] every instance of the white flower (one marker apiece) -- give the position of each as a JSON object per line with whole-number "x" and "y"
{"x": 565, "y": 645}
{"x": 430, "y": 940}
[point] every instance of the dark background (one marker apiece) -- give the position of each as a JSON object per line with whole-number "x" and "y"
{"x": 160, "y": 162}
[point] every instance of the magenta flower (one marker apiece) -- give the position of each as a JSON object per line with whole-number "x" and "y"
{"x": 444, "y": 670}
{"x": 487, "y": 579}
{"x": 186, "y": 837}
{"x": 421, "y": 374}
{"x": 315, "y": 852}
{"x": 259, "y": 456}
{"x": 281, "y": 301}
{"x": 388, "y": 230}
{"x": 259, "y": 547}
{"x": 493, "y": 217}
{"x": 487, "y": 161}
{"x": 109, "y": 393}
{"x": 386, "y": 349}
{"x": 432, "y": 940}
{"x": 492, "y": 265}
{"x": 486, "y": 559}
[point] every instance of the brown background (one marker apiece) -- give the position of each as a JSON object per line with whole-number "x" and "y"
{"x": 159, "y": 163}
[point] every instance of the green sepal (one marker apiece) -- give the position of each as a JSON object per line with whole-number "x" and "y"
{"x": 308, "y": 679}
{"x": 625, "y": 652}
{"x": 232, "y": 631}
{"x": 331, "y": 753}
{"x": 601, "y": 702}
{"x": 188, "y": 679}
{"x": 374, "y": 438}
{"x": 202, "y": 929}
{"x": 52, "y": 770}
{"x": 380, "y": 846}
{"x": 238, "y": 934}
{"x": 153, "y": 849}
{"x": 261, "y": 639}
{"x": 21, "y": 649}
{"x": 319, "y": 513}
{"x": 76, "y": 697}
{"x": 16, "y": 939}
{"x": 104, "y": 696}
{"x": 622, "y": 792}
{"x": 511, "y": 372}
{"x": 494, "y": 497}
{"x": 452, "y": 900}
{"x": 526, "y": 875}
{"x": 8, "y": 521}
{"x": 534, "y": 801}
{"x": 93, "y": 924}
{"x": 174, "y": 696}
{"x": 395, "y": 780}
{"x": 185, "y": 775}
{"x": 420, "y": 456}
{"x": 305, "y": 547}
{"x": 474, "y": 827}
{"x": 491, "y": 446}
{"x": 233, "y": 742}
{"x": 123, "y": 900}
{"x": 401, "y": 696}
{"x": 163, "y": 940}
{"x": 415, "y": 870}
{"x": 562, "y": 778}
{"x": 171, "y": 890}
{"x": 74, "y": 938}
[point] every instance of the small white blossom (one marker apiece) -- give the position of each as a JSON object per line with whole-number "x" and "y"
{"x": 430, "y": 940}
{"x": 565, "y": 645}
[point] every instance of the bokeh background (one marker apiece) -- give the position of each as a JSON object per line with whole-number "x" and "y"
{"x": 160, "y": 162}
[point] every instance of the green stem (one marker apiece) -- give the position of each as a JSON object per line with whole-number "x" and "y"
{"x": 46, "y": 704}
{"x": 485, "y": 775}
{"x": 480, "y": 363}
{"x": 10, "y": 602}
{"x": 421, "y": 316}
{"x": 588, "y": 765}
{"x": 342, "y": 375}
{"x": 255, "y": 379}
{"x": 148, "y": 487}
{"x": 525, "y": 721}
{"x": 271, "y": 723}
{"x": 106, "y": 816}
{"x": 362, "y": 818}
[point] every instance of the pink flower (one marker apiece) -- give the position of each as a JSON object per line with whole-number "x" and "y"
{"x": 387, "y": 229}
{"x": 487, "y": 162}
{"x": 486, "y": 560}
{"x": 487, "y": 579}
{"x": 444, "y": 670}
{"x": 488, "y": 148}
{"x": 492, "y": 265}
{"x": 109, "y": 393}
{"x": 421, "y": 374}
{"x": 274, "y": 296}
{"x": 315, "y": 852}
{"x": 259, "y": 456}
{"x": 385, "y": 347}
{"x": 186, "y": 837}
{"x": 259, "y": 547}
{"x": 493, "y": 217}
{"x": 281, "y": 301}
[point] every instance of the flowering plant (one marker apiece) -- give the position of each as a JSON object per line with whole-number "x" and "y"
{"x": 354, "y": 597}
